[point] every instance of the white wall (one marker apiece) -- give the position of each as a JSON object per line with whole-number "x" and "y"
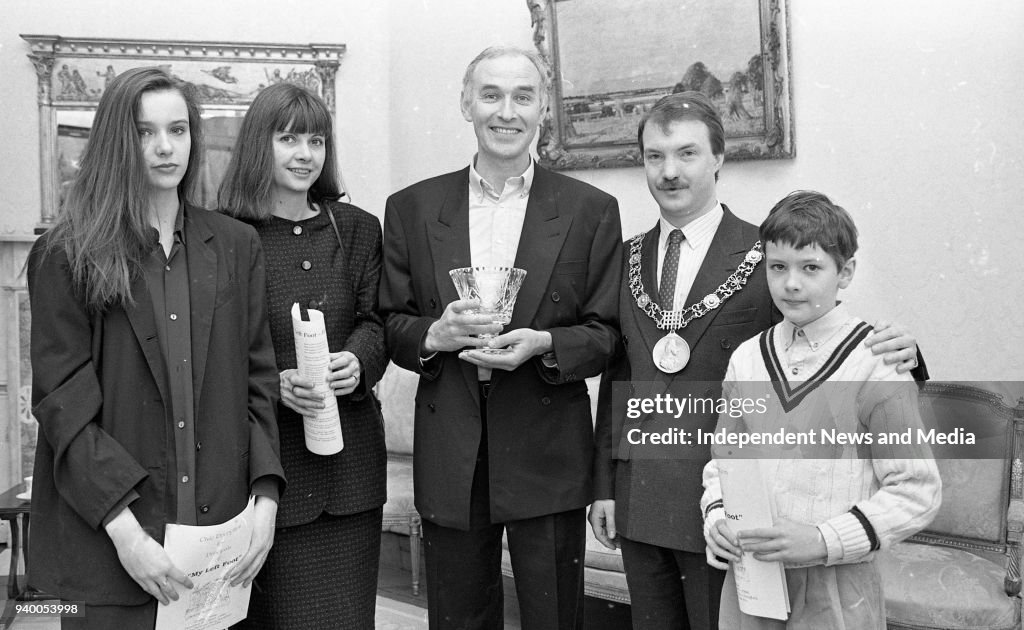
{"x": 905, "y": 114}
{"x": 363, "y": 95}
{"x": 434, "y": 41}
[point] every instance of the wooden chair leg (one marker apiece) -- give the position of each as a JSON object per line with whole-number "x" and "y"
{"x": 414, "y": 551}
{"x": 17, "y": 547}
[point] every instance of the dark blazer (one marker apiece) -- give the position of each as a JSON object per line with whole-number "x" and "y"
{"x": 344, "y": 282}
{"x": 657, "y": 500}
{"x": 539, "y": 427}
{"x": 98, "y": 391}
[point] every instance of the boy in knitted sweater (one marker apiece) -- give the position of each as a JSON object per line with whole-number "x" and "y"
{"x": 836, "y": 504}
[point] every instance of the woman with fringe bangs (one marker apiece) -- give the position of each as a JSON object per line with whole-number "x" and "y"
{"x": 326, "y": 255}
{"x": 153, "y": 371}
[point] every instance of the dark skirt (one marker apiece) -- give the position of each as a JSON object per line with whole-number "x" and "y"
{"x": 142, "y": 617}
{"x": 319, "y": 575}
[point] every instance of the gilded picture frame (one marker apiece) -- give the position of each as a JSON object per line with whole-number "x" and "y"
{"x": 611, "y": 60}
{"x": 72, "y": 74}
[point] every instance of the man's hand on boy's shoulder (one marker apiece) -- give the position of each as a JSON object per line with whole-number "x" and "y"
{"x": 895, "y": 343}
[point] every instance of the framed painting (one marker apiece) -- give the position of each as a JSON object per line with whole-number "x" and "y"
{"x": 73, "y": 72}
{"x": 611, "y": 60}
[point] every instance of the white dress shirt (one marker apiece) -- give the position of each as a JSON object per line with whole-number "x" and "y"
{"x": 496, "y": 223}
{"x": 496, "y": 220}
{"x": 698, "y": 234}
{"x": 800, "y": 348}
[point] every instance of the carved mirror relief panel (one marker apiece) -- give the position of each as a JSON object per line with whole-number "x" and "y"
{"x": 73, "y": 72}
{"x": 611, "y": 60}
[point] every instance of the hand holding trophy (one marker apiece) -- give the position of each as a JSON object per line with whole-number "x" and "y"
{"x": 495, "y": 288}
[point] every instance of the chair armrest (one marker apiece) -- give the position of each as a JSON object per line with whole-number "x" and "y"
{"x": 1014, "y": 530}
{"x": 1015, "y": 513}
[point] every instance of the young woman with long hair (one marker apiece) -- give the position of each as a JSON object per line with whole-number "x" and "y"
{"x": 153, "y": 373}
{"x": 326, "y": 255}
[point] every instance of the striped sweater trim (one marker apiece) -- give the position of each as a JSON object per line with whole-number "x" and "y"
{"x": 790, "y": 396}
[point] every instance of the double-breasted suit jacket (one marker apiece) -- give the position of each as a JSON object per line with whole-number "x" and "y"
{"x": 100, "y": 393}
{"x": 539, "y": 427}
{"x": 657, "y": 498}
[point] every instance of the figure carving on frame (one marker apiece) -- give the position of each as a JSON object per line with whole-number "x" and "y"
{"x": 74, "y": 72}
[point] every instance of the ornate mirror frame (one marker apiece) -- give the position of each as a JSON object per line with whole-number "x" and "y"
{"x": 73, "y": 71}
{"x": 605, "y": 74}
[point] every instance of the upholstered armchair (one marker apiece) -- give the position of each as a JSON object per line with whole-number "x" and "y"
{"x": 964, "y": 570}
{"x": 396, "y": 392}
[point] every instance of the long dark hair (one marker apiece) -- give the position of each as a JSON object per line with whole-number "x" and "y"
{"x": 247, "y": 190}
{"x": 103, "y": 225}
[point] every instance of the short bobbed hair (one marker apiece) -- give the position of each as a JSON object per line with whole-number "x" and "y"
{"x": 805, "y": 217}
{"x": 247, "y": 189}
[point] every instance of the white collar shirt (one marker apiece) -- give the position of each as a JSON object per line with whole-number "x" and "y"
{"x": 496, "y": 223}
{"x": 698, "y": 236}
{"x": 496, "y": 219}
{"x": 803, "y": 348}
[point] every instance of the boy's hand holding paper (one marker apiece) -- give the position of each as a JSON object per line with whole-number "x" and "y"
{"x": 787, "y": 541}
{"x": 722, "y": 545}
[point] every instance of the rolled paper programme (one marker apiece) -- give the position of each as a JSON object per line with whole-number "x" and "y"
{"x": 323, "y": 431}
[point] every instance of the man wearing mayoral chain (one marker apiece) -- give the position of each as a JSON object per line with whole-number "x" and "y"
{"x": 693, "y": 289}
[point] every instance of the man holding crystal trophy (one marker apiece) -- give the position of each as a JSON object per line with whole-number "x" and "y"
{"x": 500, "y": 288}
